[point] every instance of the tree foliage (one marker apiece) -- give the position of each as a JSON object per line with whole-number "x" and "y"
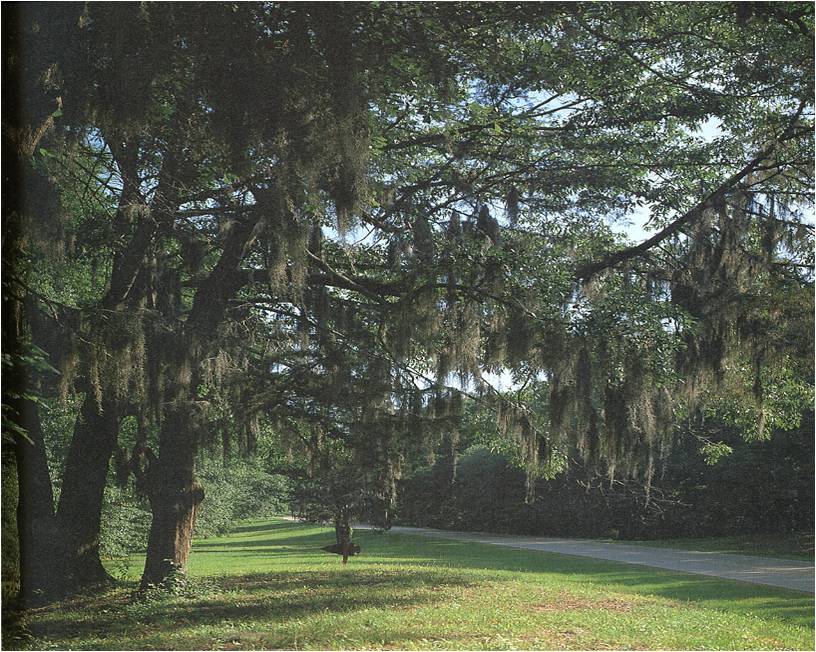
{"x": 334, "y": 222}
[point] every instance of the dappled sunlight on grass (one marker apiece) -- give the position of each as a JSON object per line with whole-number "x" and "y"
{"x": 269, "y": 586}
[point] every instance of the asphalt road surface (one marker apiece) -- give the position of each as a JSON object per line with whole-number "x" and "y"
{"x": 791, "y": 574}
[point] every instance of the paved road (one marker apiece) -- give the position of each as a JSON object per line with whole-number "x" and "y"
{"x": 785, "y": 573}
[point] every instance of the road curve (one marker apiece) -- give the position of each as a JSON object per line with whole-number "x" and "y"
{"x": 790, "y": 574}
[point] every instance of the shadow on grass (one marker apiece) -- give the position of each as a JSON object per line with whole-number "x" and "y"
{"x": 265, "y": 526}
{"x": 299, "y": 540}
{"x": 260, "y": 599}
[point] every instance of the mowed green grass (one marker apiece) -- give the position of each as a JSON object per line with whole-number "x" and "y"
{"x": 269, "y": 586}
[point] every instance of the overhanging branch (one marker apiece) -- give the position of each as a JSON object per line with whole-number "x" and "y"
{"x": 611, "y": 259}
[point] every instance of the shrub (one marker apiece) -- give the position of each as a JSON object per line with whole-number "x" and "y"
{"x": 237, "y": 490}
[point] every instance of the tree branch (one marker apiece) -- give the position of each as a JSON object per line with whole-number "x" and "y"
{"x": 611, "y": 259}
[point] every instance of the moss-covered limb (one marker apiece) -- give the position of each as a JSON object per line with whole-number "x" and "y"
{"x": 219, "y": 287}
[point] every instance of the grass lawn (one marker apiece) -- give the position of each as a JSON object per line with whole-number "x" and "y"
{"x": 269, "y": 586}
{"x": 783, "y": 546}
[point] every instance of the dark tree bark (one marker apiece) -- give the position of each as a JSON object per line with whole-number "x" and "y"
{"x": 342, "y": 528}
{"x": 78, "y": 519}
{"x": 27, "y": 117}
{"x": 35, "y": 504}
{"x": 174, "y": 499}
{"x": 35, "y": 510}
{"x": 95, "y": 436}
{"x": 79, "y": 514}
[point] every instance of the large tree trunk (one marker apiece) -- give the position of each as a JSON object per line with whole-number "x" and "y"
{"x": 35, "y": 510}
{"x": 35, "y": 504}
{"x": 174, "y": 499}
{"x": 80, "y": 506}
{"x": 28, "y": 197}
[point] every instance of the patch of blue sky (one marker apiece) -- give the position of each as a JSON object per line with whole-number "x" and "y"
{"x": 635, "y": 226}
{"x": 108, "y": 175}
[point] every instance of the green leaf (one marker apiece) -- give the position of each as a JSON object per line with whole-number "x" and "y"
{"x": 713, "y": 452}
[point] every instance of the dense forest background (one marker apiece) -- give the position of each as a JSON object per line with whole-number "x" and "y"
{"x": 370, "y": 261}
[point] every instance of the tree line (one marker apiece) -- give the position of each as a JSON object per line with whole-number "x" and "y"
{"x": 754, "y": 487}
{"x": 335, "y": 224}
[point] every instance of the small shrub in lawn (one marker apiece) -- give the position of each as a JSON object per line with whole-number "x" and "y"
{"x": 177, "y": 585}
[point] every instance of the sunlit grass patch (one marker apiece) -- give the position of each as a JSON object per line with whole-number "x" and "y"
{"x": 270, "y": 586}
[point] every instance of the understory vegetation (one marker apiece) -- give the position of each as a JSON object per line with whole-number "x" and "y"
{"x": 269, "y": 586}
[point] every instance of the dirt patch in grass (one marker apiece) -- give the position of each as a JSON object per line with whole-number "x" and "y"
{"x": 244, "y": 641}
{"x": 567, "y": 639}
{"x": 575, "y": 603}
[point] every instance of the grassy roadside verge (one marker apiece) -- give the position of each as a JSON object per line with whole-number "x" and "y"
{"x": 269, "y": 586}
